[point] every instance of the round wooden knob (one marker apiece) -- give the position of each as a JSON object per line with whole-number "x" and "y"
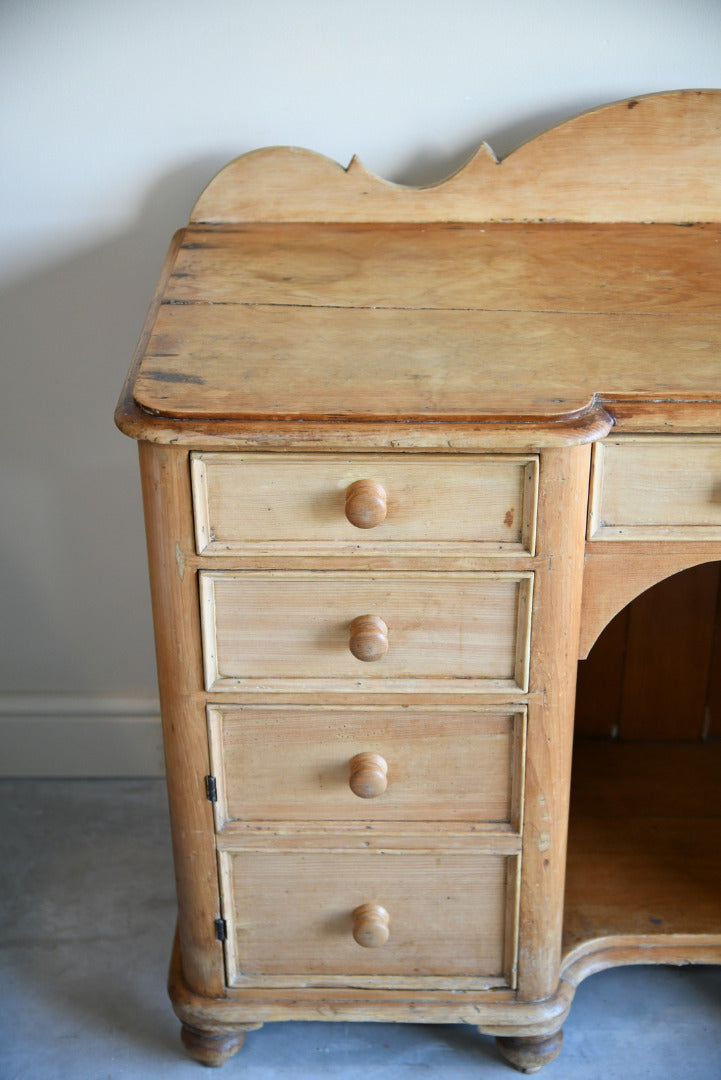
{"x": 365, "y": 504}
{"x": 368, "y": 775}
{"x": 368, "y": 638}
{"x": 370, "y": 925}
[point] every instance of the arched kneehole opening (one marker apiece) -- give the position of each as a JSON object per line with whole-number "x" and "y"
{"x": 645, "y": 828}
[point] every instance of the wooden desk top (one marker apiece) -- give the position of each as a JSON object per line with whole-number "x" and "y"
{"x": 575, "y": 323}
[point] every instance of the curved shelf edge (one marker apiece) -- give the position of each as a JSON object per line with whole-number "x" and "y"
{"x": 614, "y": 578}
{"x": 601, "y": 953}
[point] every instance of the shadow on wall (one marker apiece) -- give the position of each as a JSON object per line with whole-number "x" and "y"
{"x": 72, "y": 552}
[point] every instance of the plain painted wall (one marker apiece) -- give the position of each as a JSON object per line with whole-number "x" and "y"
{"x": 113, "y": 116}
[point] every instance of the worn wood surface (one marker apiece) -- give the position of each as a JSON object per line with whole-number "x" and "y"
{"x": 644, "y": 854}
{"x": 616, "y": 573}
{"x": 321, "y": 324}
{"x": 584, "y": 269}
{"x": 169, "y": 527}
{"x": 232, "y": 362}
{"x": 656, "y": 488}
{"x": 471, "y": 630}
{"x": 263, "y": 503}
{"x": 291, "y": 917}
{"x": 556, "y": 616}
{"x": 652, "y": 158}
{"x": 443, "y": 764}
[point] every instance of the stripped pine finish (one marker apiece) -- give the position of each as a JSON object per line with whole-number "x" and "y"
{"x": 407, "y": 454}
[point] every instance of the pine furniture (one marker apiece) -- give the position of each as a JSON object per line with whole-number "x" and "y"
{"x": 404, "y": 454}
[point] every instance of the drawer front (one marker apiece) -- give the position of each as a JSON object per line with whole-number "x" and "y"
{"x": 656, "y": 488}
{"x": 297, "y": 503}
{"x": 294, "y": 630}
{"x": 315, "y": 763}
{"x": 291, "y": 916}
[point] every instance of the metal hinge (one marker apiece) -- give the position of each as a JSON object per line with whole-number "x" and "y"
{"x": 221, "y": 929}
{"x": 211, "y": 789}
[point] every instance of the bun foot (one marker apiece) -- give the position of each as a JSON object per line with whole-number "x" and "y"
{"x": 210, "y": 1048}
{"x": 529, "y": 1053}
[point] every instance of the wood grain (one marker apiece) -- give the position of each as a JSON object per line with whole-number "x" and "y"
{"x": 656, "y": 488}
{"x": 166, "y": 499}
{"x": 453, "y": 351}
{"x": 292, "y": 916}
{"x": 444, "y": 764}
{"x": 651, "y": 158}
{"x": 644, "y": 853}
{"x": 668, "y": 657}
{"x": 263, "y": 503}
{"x": 232, "y": 362}
{"x": 290, "y": 630}
{"x": 609, "y": 269}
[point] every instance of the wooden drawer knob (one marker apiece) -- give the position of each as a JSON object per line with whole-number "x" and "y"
{"x": 368, "y": 775}
{"x": 365, "y": 504}
{"x": 368, "y": 638}
{"x": 370, "y": 925}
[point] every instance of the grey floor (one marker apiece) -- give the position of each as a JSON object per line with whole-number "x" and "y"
{"x": 86, "y": 924}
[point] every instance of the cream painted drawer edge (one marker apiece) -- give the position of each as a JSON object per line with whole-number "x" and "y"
{"x": 656, "y": 487}
{"x": 438, "y": 504}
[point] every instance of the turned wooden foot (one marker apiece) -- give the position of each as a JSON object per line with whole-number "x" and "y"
{"x": 529, "y": 1053}
{"x": 210, "y": 1048}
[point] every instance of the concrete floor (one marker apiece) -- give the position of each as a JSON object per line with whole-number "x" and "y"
{"x": 86, "y": 923}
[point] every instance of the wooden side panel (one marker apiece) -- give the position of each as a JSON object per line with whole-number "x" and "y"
{"x": 713, "y": 712}
{"x": 562, "y": 503}
{"x": 174, "y": 590}
{"x": 670, "y": 633}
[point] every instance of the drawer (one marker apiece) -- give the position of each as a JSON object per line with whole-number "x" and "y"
{"x": 291, "y": 917}
{"x": 294, "y": 630}
{"x": 315, "y": 763}
{"x": 298, "y": 503}
{"x": 656, "y": 488}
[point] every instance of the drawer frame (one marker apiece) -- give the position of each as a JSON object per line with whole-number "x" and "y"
{"x": 673, "y": 452}
{"x": 516, "y": 682}
{"x": 476, "y": 715}
{"x": 388, "y": 847}
{"x": 351, "y": 467}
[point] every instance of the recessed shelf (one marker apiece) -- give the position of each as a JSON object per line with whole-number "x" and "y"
{"x": 644, "y": 854}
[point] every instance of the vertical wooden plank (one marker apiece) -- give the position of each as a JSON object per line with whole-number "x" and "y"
{"x": 165, "y": 477}
{"x": 712, "y": 728}
{"x": 600, "y": 682}
{"x": 563, "y": 484}
{"x": 668, "y": 652}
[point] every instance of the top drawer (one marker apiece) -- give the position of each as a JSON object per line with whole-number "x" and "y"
{"x": 656, "y": 488}
{"x": 300, "y": 503}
